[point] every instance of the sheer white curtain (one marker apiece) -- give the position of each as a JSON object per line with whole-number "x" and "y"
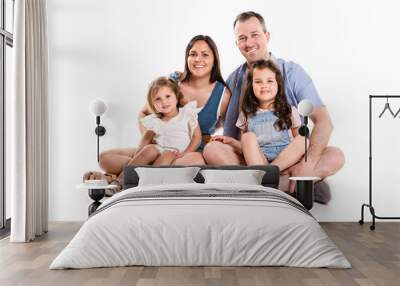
{"x": 29, "y": 140}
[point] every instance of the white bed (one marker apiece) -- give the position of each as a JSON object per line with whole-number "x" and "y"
{"x": 201, "y": 224}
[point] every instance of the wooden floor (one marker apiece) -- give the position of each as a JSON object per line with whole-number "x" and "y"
{"x": 374, "y": 255}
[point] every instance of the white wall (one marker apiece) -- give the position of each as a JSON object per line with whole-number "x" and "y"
{"x": 113, "y": 49}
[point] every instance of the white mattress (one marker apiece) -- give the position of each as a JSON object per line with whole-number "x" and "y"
{"x": 210, "y": 229}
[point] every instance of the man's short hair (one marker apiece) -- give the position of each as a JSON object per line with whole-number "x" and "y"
{"x": 247, "y": 15}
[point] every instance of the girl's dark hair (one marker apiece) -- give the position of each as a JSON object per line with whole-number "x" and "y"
{"x": 159, "y": 83}
{"x": 250, "y": 104}
{"x": 215, "y": 71}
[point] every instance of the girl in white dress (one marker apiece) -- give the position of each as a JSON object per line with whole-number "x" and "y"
{"x": 172, "y": 130}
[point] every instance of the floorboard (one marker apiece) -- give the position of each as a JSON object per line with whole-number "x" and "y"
{"x": 374, "y": 255}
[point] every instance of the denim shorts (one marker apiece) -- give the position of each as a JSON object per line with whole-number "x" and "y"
{"x": 271, "y": 152}
{"x": 271, "y": 140}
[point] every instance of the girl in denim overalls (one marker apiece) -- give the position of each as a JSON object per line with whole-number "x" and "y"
{"x": 269, "y": 124}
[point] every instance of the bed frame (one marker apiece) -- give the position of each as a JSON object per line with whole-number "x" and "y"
{"x": 270, "y": 179}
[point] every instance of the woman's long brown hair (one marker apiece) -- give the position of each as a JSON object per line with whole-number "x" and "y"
{"x": 215, "y": 71}
{"x": 250, "y": 103}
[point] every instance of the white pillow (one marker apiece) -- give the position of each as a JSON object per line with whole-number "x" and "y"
{"x": 249, "y": 177}
{"x": 164, "y": 176}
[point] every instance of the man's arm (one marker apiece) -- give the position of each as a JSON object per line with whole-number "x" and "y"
{"x": 319, "y": 140}
{"x": 321, "y": 133}
{"x": 304, "y": 88}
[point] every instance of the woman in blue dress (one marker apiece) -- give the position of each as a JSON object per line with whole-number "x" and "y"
{"x": 202, "y": 82}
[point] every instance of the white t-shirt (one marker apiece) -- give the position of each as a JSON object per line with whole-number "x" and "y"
{"x": 295, "y": 116}
{"x": 176, "y": 133}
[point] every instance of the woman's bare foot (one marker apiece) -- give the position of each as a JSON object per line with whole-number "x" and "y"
{"x": 95, "y": 175}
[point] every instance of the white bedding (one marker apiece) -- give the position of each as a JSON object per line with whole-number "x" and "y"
{"x": 205, "y": 230}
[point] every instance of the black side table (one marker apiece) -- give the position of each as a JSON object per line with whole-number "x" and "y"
{"x": 305, "y": 190}
{"x": 96, "y": 193}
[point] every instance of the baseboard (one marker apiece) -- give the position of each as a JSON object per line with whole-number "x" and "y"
{"x": 5, "y": 231}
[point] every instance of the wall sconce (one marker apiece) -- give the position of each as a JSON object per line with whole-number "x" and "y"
{"x": 305, "y": 109}
{"x": 97, "y": 107}
{"x": 305, "y": 185}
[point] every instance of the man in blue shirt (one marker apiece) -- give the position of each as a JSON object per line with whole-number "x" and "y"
{"x": 252, "y": 39}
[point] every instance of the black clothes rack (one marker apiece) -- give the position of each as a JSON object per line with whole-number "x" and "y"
{"x": 369, "y": 205}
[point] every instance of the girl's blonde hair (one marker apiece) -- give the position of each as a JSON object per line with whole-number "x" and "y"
{"x": 159, "y": 83}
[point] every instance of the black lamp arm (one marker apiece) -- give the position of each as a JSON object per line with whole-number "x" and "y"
{"x": 304, "y": 131}
{"x": 100, "y": 131}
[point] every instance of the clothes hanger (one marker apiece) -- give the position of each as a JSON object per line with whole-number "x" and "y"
{"x": 397, "y": 113}
{"x": 387, "y": 107}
